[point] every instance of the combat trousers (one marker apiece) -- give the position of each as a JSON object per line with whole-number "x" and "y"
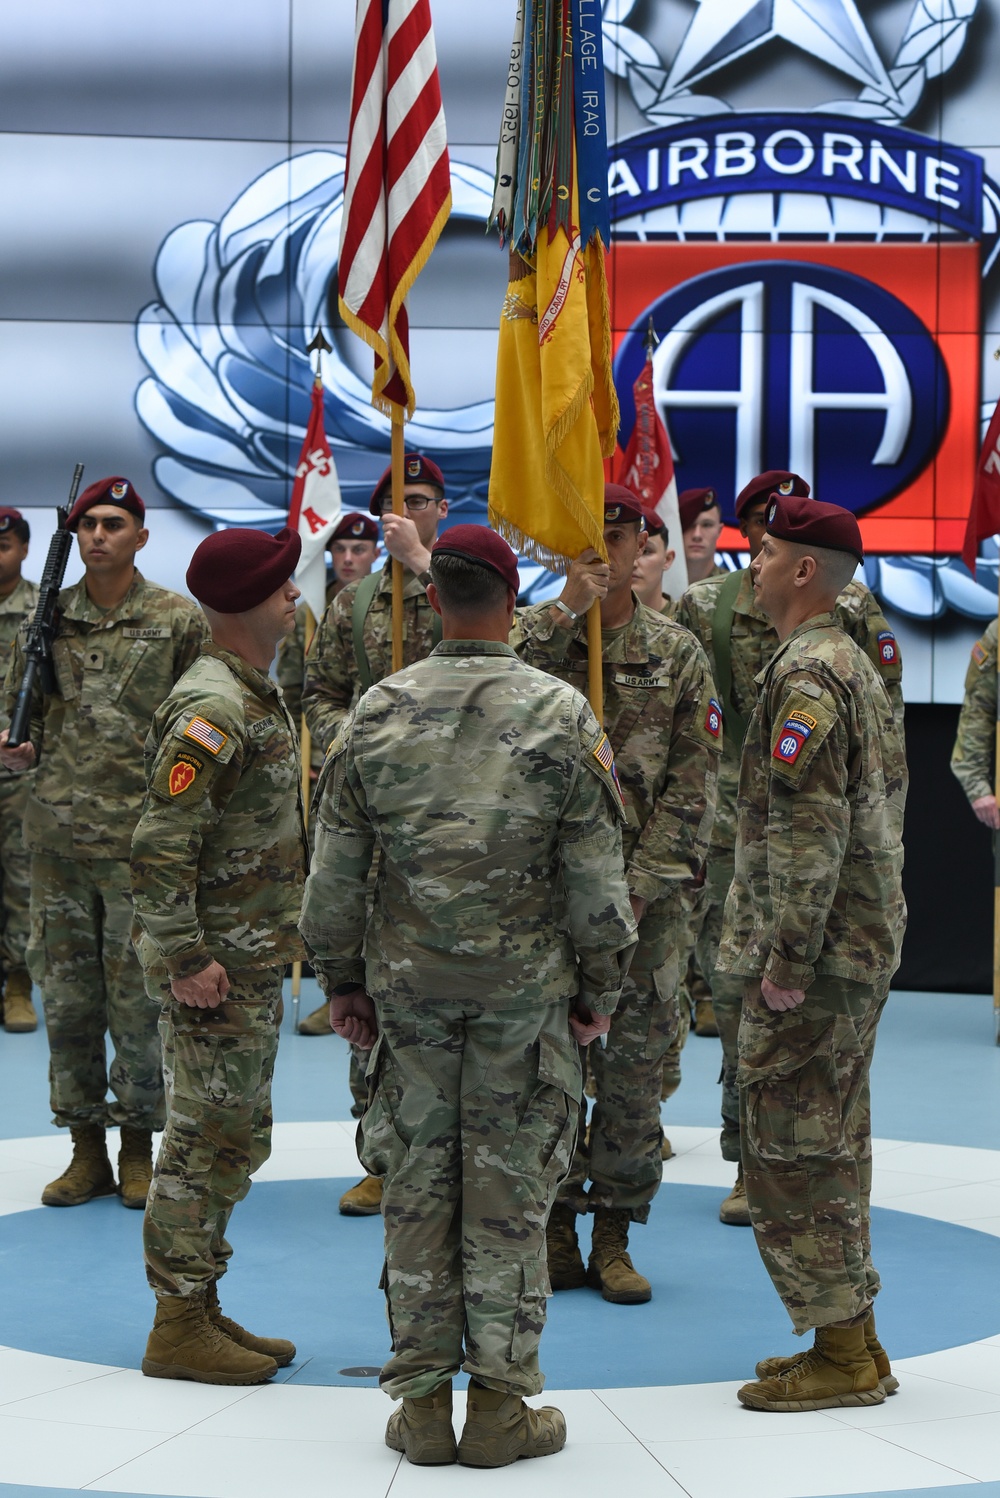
{"x": 806, "y": 1117}
{"x": 471, "y": 1122}
{"x": 218, "y": 1065}
{"x": 622, "y": 1159}
{"x": 81, "y": 956}
{"x": 15, "y": 873}
{"x": 727, "y": 997}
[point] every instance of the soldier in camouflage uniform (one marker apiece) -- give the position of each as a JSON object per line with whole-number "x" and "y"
{"x": 120, "y": 645}
{"x": 488, "y": 788}
{"x": 701, "y": 526}
{"x": 218, "y": 867}
{"x": 337, "y": 672}
{"x": 813, "y": 925}
{"x": 740, "y": 640}
{"x": 17, "y": 600}
{"x": 973, "y": 759}
{"x": 665, "y": 729}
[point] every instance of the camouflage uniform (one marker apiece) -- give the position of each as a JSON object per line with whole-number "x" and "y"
{"x": 290, "y": 668}
{"x": 816, "y": 903}
{"x": 753, "y": 641}
{"x": 500, "y": 898}
{"x": 658, "y": 708}
{"x": 113, "y": 669}
{"x": 973, "y": 759}
{"x": 15, "y": 861}
{"x": 218, "y": 866}
{"x": 333, "y": 685}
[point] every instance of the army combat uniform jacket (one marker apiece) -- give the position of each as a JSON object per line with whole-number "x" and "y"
{"x": 113, "y": 669}
{"x": 500, "y": 879}
{"x": 218, "y": 856}
{"x": 973, "y": 759}
{"x": 818, "y": 887}
{"x": 332, "y": 678}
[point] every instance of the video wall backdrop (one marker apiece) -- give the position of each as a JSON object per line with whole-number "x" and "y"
{"x": 803, "y": 199}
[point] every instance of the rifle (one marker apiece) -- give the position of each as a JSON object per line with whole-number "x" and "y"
{"x": 38, "y": 668}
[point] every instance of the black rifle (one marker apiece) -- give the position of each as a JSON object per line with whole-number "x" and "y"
{"x": 38, "y": 668}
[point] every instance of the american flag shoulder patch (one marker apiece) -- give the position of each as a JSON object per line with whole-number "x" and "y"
{"x": 206, "y": 734}
{"x": 603, "y": 753}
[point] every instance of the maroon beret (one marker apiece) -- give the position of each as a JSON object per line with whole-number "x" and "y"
{"x": 234, "y": 570}
{"x": 774, "y": 481}
{"x": 694, "y": 502}
{"x": 620, "y": 504}
{"x": 355, "y": 527}
{"x": 481, "y": 546}
{"x": 416, "y": 470}
{"x": 794, "y": 517}
{"x": 113, "y": 491}
{"x": 8, "y": 517}
{"x": 652, "y": 523}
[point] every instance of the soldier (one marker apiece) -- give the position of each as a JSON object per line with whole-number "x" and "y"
{"x": 218, "y": 867}
{"x": 501, "y": 924}
{"x": 973, "y": 759}
{"x": 120, "y": 645}
{"x": 351, "y": 650}
{"x": 17, "y": 599}
{"x": 701, "y": 527}
{"x": 739, "y": 640}
{"x": 813, "y": 925}
{"x": 650, "y": 565}
{"x": 665, "y": 729}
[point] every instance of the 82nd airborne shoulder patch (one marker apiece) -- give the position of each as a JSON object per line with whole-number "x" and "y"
{"x": 888, "y": 652}
{"x": 713, "y": 718}
{"x": 794, "y": 734}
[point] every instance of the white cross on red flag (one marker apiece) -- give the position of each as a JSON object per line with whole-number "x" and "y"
{"x": 315, "y": 508}
{"x": 984, "y": 514}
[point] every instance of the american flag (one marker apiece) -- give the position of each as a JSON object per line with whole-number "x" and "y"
{"x": 397, "y": 196}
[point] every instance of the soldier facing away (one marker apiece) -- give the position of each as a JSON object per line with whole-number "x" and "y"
{"x": 813, "y": 925}
{"x": 973, "y": 759}
{"x": 501, "y": 930}
{"x": 18, "y": 597}
{"x": 120, "y": 645}
{"x": 218, "y": 866}
{"x": 665, "y": 729}
{"x": 739, "y": 640}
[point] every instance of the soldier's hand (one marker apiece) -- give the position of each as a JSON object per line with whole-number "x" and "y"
{"x": 403, "y": 542}
{"x": 985, "y": 808}
{"x": 206, "y": 990}
{"x": 586, "y": 1025}
{"x": 781, "y": 998}
{"x": 21, "y": 758}
{"x": 588, "y": 578}
{"x": 352, "y": 1015}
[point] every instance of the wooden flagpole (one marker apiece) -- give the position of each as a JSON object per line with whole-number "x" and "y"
{"x": 996, "y": 861}
{"x": 305, "y": 749}
{"x": 595, "y": 661}
{"x": 397, "y": 509}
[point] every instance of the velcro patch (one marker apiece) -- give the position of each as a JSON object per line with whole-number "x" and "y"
{"x": 793, "y": 735}
{"x": 182, "y": 774}
{"x": 604, "y": 754}
{"x": 713, "y": 718}
{"x": 888, "y": 654}
{"x": 979, "y": 653}
{"x": 207, "y": 735}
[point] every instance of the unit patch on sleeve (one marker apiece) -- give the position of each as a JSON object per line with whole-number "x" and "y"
{"x": 206, "y": 734}
{"x": 888, "y": 654}
{"x": 979, "y": 653}
{"x": 713, "y": 719}
{"x": 182, "y": 773}
{"x": 793, "y": 735}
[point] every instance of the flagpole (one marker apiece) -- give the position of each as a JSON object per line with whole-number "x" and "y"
{"x": 305, "y": 748}
{"x": 595, "y": 661}
{"x": 996, "y": 859}
{"x": 397, "y": 566}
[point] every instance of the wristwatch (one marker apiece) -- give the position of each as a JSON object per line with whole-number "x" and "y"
{"x": 564, "y": 608}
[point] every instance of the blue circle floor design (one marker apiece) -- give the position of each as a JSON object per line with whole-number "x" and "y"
{"x": 76, "y": 1289}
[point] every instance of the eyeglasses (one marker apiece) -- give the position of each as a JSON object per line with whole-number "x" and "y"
{"x": 413, "y": 503}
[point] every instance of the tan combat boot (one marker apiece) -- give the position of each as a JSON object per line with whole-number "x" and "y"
{"x": 734, "y": 1208}
{"x": 88, "y": 1174}
{"x": 364, "y": 1199}
{"x": 778, "y": 1367}
{"x": 421, "y": 1429}
{"x": 184, "y": 1343}
{"x": 135, "y": 1166}
{"x": 562, "y": 1248}
{"x": 837, "y": 1372}
{"x": 19, "y": 1016}
{"x": 317, "y": 1023}
{"x": 610, "y": 1269}
{"x": 282, "y": 1351}
{"x": 501, "y": 1428}
{"x": 704, "y": 1018}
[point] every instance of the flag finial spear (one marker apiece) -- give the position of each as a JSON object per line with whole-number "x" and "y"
{"x": 651, "y": 339}
{"x": 319, "y": 347}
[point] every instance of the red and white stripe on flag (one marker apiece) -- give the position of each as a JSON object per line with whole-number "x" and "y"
{"x": 397, "y": 195}
{"x": 647, "y": 469}
{"x": 315, "y": 508}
